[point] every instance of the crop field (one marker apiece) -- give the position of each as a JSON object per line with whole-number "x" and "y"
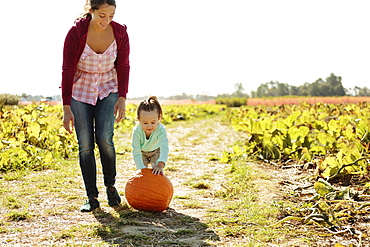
{"x": 309, "y": 100}
{"x": 329, "y": 144}
{"x": 32, "y": 136}
{"x": 314, "y": 155}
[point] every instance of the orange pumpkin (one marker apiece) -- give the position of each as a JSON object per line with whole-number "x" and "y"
{"x": 148, "y": 192}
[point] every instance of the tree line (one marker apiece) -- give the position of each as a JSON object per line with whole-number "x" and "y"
{"x": 331, "y": 86}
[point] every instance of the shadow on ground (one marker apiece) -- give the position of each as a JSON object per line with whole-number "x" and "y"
{"x": 135, "y": 228}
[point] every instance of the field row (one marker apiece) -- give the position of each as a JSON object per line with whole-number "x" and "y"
{"x": 329, "y": 144}
{"x": 32, "y": 136}
{"x": 334, "y": 136}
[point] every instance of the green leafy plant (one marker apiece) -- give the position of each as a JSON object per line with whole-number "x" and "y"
{"x": 32, "y": 136}
{"x": 333, "y": 140}
{"x": 334, "y": 136}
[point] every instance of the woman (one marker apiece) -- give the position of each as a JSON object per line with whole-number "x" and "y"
{"x": 94, "y": 86}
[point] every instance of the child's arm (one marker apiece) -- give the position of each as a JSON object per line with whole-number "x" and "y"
{"x": 136, "y": 150}
{"x": 163, "y": 145}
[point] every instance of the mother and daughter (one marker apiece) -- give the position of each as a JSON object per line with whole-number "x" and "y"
{"x": 95, "y": 76}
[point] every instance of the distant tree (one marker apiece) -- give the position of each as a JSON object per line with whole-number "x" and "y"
{"x": 304, "y": 90}
{"x": 272, "y": 89}
{"x": 318, "y": 88}
{"x": 201, "y": 97}
{"x": 262, "y": 90}
{"x": 34, "y": 97}
{"x": 25, "y": 96}
{"x": 253, "y": 94}
{"x": 238, "y": 87}
{"x": 181, "y": 96}
{"x": 224, "y": 95}
{"x": 293, "y": 90}
{"x": 8, "y": 99}
{"x": 282, "y": 89}
{"x": 332, "y": 86}
{"x": 356, "y": 90}
{"x": 239, "y": 92}
{"x": 335, "y": 87}
{"x": 363, "y": 92}
{"x": 268, "y": 89}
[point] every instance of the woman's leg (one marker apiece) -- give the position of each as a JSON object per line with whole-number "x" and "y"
{"x": 84, "y": 114}
{"x": 104, "y": 130}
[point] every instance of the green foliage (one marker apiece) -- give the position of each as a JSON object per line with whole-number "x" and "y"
{"x": 239, "y": 92}
{"x": 335, "y": 137}
{"x": 31, "y": 137}
{"x": 332, "y": 140}
{"x": 232, "y": 102}
{"x": 332, "y": 86}
{"x": 365, "y": 91}
{"x": 187, "y": 112}
{"x": 8, "y": 99}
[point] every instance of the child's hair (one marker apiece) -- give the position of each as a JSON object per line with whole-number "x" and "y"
{"x": 148, "y": 105}
{"x": 94, "y": 5}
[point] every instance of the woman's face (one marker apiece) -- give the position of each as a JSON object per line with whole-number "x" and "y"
{"x": 103, "y": 16}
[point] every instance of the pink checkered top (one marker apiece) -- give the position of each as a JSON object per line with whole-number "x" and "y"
{"x": 95, "y": 76}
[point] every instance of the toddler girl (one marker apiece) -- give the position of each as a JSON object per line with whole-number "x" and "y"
{"x": 149, "y": 139}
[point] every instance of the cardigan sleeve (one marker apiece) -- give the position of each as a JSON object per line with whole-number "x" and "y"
{"x": 70, "y": 57}
{"x": 122, "y": 63}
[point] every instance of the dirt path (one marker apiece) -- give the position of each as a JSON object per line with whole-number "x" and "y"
{"x": 191, "y": 165}
{"x": 196, "y": 177}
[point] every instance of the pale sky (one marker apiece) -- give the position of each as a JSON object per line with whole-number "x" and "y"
{"x": 197, "y": 46}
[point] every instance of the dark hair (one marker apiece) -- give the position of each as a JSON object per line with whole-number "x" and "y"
{"x": 95, "y": 5}
{"x": 149, "y": 105}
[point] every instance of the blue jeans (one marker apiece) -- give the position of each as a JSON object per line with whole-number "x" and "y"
{"x": 96, "y": 123}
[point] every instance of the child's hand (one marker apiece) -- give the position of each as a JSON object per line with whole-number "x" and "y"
{"x": 158, "y": 168}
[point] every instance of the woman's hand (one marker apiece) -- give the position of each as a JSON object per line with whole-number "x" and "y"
{"x": 120, "y": 109}
{"x": 158, "y": 169}
{"x": 68, "y": 119}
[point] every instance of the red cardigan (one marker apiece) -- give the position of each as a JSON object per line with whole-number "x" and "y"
{"x": 74, "y": 45}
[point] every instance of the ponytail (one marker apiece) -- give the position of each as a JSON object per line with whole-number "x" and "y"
{"x": 149, "y": 105}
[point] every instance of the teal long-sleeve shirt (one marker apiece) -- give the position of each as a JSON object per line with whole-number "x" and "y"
{"x": 158, "y": 139}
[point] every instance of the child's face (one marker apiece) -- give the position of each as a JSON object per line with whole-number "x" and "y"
{"x": 149, "y": 121}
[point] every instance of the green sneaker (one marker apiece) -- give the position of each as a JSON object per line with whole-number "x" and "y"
{"x": 113, "y": 197}
{"x": 90, "y": 205}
